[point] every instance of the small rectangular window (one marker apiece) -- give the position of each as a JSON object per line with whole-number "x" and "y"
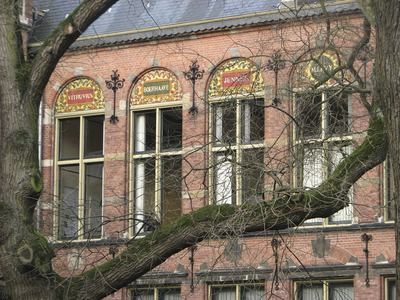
{"x": 68, "y": 201}
{"x": 390, "y": 289}
{"x": 163, "y": 293}
{"x": 94, "y": 144}
{"x": 309, "y": 117}
{"x": 235, "y": 291}
{"x": 325, "y": 290}
{"x": 93, "y": 199}
{"x": 145, "y": 131}
{"x": 252, "y": 121}
{"x": 69, "y": 138}
{"x": 225, "y": 124}
{"x": 171, "y": 128}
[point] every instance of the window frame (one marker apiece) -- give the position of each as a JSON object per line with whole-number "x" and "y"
{"x": 238, "y": 148}
{"x": 158, "y": 154}
{"x": 238, "y": 288}
{"x": 326, "y": 140}
{"x": 388, "y": 281}
{"x": 81, "y": 162}
{"x": 325, "y": 285}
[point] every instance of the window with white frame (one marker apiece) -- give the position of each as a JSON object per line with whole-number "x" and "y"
{"x": 80, "y": 160}
{"x": 322, "y": 139}
{"x": 162, "y": 293}
{"x": 388, "y": 189}
{"x": 237, "y": 150}
{"x": 324, "y": 290}
{"x": 157, "y": 163}
{"x": 237, "y": 292}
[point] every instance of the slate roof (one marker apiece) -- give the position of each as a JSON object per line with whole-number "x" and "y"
{"x": 130, "y": 20}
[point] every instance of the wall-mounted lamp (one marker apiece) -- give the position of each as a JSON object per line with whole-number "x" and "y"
{"x": 114, "y": 84}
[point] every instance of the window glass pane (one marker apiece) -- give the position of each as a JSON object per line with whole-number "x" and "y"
{"x": 337, "y": 152}
{"x": 338, "y": 113}
{"x": 93, "y": 199}
{"x": 255, "y": 292}
{"x": 391, "y": 289}
{"x": 171, "y": 128}
{"x": 69, "y": 138}
{"x": 223, "y": 293}
{"x": 172, "y": 189}
{"x": 308, "y": 110}
{"x": 145, "y": 195}
{"x": 252, "y": 120}
{"x": 68, "y": 202}
{"x": 225, "y": 123}
{"x": 145, "y": 131}
{"x": 253, "y": 175}
{"x": 312, "y": 171}
{"x": 169, "y": 294}
{"x": 94, "y": 140}
{"x": 341, "y": 291}
{"x": 311, "y": 292}
{"x": 312, "y": 165}
{"x": 143, "y": 294}
{"x": 225, "y": 183}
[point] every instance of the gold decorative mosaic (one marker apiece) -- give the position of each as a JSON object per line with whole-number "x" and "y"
{"x": 156, "y": 86}
{"x": 237, "y": 76}
{"x": 315, "y": 67}
{"x": 80, "y": 94}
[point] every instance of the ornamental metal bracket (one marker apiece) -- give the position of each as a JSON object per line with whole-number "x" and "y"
{"x": 191, "y": 258}
{"x": 276, "y": 64}
{"x": 275, "y": 245}
{"x": 114, "y": 84}
{"x": 193, "y": 74}
{"x": 366, "y": 238}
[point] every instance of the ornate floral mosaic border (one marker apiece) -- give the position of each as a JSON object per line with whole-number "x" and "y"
{"x": 156, "y": 86}
{"x": 237, "y": 76}
{"x": 78, "y": 95}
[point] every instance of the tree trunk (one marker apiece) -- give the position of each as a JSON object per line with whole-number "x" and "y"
{"x": 386, "y": 91}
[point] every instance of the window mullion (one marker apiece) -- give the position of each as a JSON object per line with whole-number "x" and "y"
{"x": 325, "y": 145}
{"x": 325, "y": 285}
{"x": 158, "y": 164}
{"x": 211, "y": 142}
{"x": 238, "y": 173}
{"x": 324, "y": 117}
{"x": 81, "y": 178}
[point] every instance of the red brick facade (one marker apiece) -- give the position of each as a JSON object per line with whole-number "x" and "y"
{"x": 309, "y": 253}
